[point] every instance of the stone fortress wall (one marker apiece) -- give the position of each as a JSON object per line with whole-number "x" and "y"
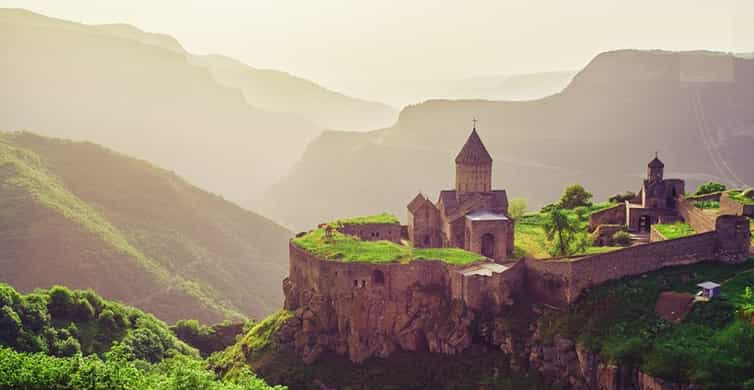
{"x": 607, "y": 216}
{"x": 561, "y": 281}
{"x": 731, "y": 206}
{"x": 331, "y": 278}
{"x": 695, "y": 217}
{"x": 365, "y": 309}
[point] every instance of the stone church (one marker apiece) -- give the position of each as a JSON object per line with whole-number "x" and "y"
{"x": 656, "y": 201}
{"x": 473, "y": 216}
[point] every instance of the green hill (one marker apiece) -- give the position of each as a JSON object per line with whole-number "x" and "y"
{"x": 65, "y": 339}
{"x": 83, "y": 216}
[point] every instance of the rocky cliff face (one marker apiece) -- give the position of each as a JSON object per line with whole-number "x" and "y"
{"x": 364, "y": 324}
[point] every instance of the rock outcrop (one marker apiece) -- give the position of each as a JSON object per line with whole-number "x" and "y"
{"x": 363, "y": 324}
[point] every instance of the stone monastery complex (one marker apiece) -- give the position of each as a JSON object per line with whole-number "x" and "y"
{"x": 362, "y": 307}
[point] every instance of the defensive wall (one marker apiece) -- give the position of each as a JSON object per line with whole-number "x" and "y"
{"x": 608, "y": 216}
{"x": 695, "y": 217}
{"x": 731, "y": 206}
{"x": 715, "y": 196}
{"x": 475, "y": 285}
{"x": 488, "y": 285}
{"x": 561, "y": 281}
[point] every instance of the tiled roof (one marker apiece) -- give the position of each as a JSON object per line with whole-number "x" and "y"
{"x": 473, "y": 151}
{"x": 417, "y": 202}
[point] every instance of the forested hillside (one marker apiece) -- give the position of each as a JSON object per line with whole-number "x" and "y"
{"x": 65, "y": 339}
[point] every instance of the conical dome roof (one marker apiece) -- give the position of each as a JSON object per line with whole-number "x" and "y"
{"x": 656, "y": 163}
{"x": 473, "y": 152}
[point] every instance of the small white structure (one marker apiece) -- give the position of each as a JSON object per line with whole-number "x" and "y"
{"x": 709, "y": 290}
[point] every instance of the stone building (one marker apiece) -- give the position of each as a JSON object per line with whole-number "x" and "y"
{"x": 658, "y": 199}
{"x": 473, "y": 216}
{"x": 656, "y": 202}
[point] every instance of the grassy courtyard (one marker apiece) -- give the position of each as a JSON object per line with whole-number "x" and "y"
{"x": 675, "y": 230}
{"x": 531, "y": 239}
{"x": 350, "y": 249}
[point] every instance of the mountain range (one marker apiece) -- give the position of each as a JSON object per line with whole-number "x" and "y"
{"x": 525, "y": 86}
{"x": 694, "y": 108}
{"x": 142, "y": 94}
{"x": 80, "y": 215}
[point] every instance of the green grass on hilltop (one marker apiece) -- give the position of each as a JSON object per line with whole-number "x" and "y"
{"x": 349, "y": 249}
{"x": 713, "y": 346}
{"x": 379, "y": 218}
{"x": 675, "y": 230}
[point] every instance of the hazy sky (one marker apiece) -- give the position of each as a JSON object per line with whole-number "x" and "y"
{"x": 341, "y": 42}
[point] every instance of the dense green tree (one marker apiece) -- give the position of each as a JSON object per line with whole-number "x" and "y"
{"x": 575, "y": 195}
{"x": 10, "y": 325}
{"x": 709, "y": 188}
{"x": 60, "y": 301}
{"x": 145, "y": 345}
{"x": 67, "y": 347}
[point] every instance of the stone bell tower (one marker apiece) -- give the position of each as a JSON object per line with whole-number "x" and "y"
{"x": 655, "y": 169}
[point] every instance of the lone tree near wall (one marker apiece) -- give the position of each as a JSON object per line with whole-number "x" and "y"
{"x": 561, "y": 232}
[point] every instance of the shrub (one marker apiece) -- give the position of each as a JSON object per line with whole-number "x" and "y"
{"x": 59, "y": 301}
{"x": 709, "y": 188}
{"x": 574, "y": 196}
{"x": 620, "y": 198}
{"x": 622, "y": 238}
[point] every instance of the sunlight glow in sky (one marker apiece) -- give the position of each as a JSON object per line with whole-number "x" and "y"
{"x": 343, "y": 42}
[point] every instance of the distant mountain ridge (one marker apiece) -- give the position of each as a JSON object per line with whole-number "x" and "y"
{"x": 601, "y": 130}
{"x": 144, "y": 95}
{"x": 81, "y": 215}
{"x": 278, "y": 91}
